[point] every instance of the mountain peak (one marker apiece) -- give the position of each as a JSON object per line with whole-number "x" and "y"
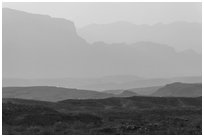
{"x": 127, "y": 93}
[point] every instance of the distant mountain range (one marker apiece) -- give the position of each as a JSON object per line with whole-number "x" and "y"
{"x": 57, "y": 93}
{"x": 39, "y": 46}
{"x": 180, "y": 35}
{"x": 108, "y": 83}
{"x": 141, "y": 83}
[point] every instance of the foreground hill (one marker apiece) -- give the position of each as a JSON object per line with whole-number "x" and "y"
{"x": 179, "y": 90}
{"x": 131, "y": 103}
{"x": 132, "y": 115}
{"x": 115, "y": 103}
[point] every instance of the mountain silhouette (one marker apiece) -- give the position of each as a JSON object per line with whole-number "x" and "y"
{"x": 38, "y": 43}
{"x": 180, "y": 35}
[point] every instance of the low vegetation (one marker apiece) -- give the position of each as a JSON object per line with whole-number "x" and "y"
{"x": 104, "y": 116}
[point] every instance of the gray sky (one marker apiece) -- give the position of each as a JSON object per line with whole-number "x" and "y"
{"x": 139, "y": 13}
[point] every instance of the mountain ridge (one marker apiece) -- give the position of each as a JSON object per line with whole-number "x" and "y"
{"x": 160, "y": 32}
{"x": 44, "y": 47}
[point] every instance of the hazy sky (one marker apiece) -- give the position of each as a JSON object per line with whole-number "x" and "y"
{"x": 139, "y": 13}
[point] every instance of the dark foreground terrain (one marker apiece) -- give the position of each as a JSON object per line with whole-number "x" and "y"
{"x": 131, "y": 115}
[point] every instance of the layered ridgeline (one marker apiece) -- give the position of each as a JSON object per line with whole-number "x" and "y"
{"x": 45, "y": 93}
{"x": 180, "y": 35}
{"x": 39, "y": 46}
{"x": 57, "y": 93}
{"x": 109, "y": 83}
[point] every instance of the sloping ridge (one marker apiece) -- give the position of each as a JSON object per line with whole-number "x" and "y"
{"x": 180, "y": 90}
{"x": 48, "y": 93}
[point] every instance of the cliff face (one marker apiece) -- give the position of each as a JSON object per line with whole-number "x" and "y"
{"x": 25, "y": 30}
{"x": 37, "y": 43}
